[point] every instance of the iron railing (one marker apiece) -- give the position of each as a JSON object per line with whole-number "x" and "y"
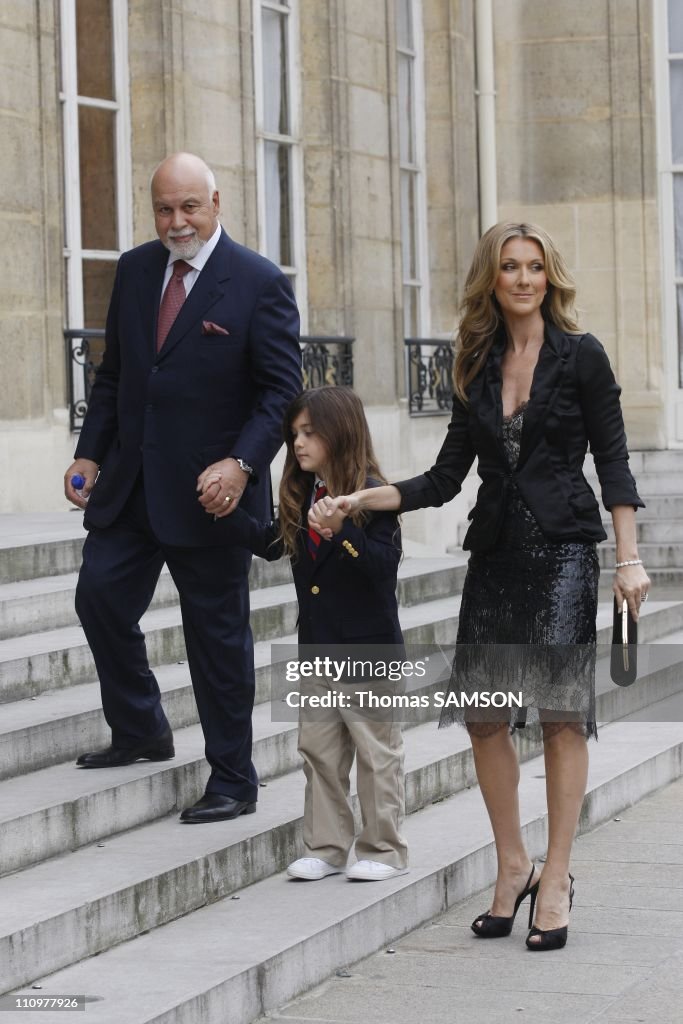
{"x": 84, "y": 350}
{"x": 325, "y": 360}
{"x": 429, "y": 376}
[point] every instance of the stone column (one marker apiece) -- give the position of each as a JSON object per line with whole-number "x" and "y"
{"x": 452, "y": 192}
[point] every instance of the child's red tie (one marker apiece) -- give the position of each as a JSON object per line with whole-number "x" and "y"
{"x": 314, "y": 537}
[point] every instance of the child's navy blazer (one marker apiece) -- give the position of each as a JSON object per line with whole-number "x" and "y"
{"x": 348, "y": 592}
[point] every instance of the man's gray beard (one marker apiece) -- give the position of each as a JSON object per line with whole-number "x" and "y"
{"x": 187, "y": 251}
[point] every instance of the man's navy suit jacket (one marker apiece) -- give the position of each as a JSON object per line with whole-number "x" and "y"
{"x": 203, "y": 397}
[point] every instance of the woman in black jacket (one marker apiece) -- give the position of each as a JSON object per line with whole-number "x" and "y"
{"x": 531, "y": 394}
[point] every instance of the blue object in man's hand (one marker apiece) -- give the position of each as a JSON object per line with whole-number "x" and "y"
{"x": 77, "y": 482}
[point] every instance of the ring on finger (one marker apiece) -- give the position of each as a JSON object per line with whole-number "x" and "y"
{"x": 227, "y": 499}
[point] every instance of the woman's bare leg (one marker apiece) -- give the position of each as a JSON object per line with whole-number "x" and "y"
{"x": 566, "y": 773}
{"x": 497, "y": 766}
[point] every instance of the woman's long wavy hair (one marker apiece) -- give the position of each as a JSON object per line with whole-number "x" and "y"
{"x": 338, "y": 418}
{"x": 480, "y": 315}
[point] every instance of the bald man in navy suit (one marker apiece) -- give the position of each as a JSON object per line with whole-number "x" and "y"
{"x": 202, "y": 357}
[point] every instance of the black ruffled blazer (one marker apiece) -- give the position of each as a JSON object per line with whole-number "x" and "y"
{"x": 574, "y": 403}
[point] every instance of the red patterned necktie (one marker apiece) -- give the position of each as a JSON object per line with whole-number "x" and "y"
{"x": 314, "y": 538}
{"x": 171, "y": 301}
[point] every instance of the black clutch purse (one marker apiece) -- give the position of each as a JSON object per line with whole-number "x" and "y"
{"x": 624, "y": 657}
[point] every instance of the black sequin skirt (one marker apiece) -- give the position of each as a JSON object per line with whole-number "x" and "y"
{"x": 527, "y": 628}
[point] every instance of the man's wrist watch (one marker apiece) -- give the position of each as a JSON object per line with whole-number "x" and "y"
{"x": 244, "y": 466}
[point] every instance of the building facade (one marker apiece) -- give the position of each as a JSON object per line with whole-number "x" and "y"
{"x": 362, "y": 145}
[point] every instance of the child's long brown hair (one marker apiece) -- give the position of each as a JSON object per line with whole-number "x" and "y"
{"x": 338, "y": 418}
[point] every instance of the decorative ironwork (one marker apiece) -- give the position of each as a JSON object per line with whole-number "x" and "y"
{"x": 326, "y": 360}
{"x": 429, "y": 376}
{"x": 84, "y": 350}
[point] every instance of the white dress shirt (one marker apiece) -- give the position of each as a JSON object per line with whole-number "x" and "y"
{"x": 197, "y": 263}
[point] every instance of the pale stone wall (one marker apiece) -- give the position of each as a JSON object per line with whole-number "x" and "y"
{"x": 575, "y": 153}
{"x": 451, "y": 141}
{"x": 372, "y": 134}
{"x": 34, "y": 437}
{"x": 191, "y": 87}
{"x": 327, "y": 189}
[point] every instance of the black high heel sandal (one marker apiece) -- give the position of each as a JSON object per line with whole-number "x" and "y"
{"x": 550, "y": 938}
{"x": 486, "y": 926}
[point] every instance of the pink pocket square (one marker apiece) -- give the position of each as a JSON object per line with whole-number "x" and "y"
{"x": 210, "y": 328}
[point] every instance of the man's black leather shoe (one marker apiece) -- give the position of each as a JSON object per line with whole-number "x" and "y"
{"x": 160, "y": 749}
{"x": 216, "y": 807}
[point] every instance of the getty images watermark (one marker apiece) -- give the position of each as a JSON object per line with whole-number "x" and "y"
{"x": 379, "y": 681}
{"x": 416, "y": 683}
{"x": 372, "y": 675}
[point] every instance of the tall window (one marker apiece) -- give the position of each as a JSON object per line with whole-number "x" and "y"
{"x": 97, "y": 189}
{"x": 411, "y": 130}
{"x": 669, "y": 31}
{"x": 279, "y": 158}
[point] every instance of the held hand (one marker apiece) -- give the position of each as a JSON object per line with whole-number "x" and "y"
{"x": 88, "y": 470}
{"x": 332, "y": 525}
{"x": 631, "y": 583}
{"x": 220, "y": 487}
{"x": 327, "y": 515}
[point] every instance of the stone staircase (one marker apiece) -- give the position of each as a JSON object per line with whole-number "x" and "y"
{"x": 104, "y": 893}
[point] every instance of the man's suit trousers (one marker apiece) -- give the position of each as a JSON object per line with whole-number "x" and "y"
{"x": 120, "y": 570}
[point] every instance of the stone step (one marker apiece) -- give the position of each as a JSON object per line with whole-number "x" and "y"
{"x": 56, "y": 658}
{"x": 40, "y": 544}
{"x": 34, "y": 662}
{"x": 666, "y": 580}
{"x": 655, "y": 482}
{"x": 43, "y": 545}
{"x": 660, "y": 521}
{"x": 656, "y": 461}
{"x": 653, "y": 531}
{"x": 427, "y": 579}
{"x": 82, "y": 903}
{"x": 279, "y": 938}
{"x": 660, "y": 506}
{"x": 54, "y": 810}
{"x": 47, "y": 603}
{"x": 660, "y": 556}
{"x": 41, "y": 604}
{"x": 56, "y": 724}
{"x": 649, "y": 481}
{"x": 37, "y": 546}
{"x": 60, "y": 808}
{"x": 660, "y": 677}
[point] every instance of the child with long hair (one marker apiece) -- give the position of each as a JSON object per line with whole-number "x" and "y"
{"x": 346, "y": 589}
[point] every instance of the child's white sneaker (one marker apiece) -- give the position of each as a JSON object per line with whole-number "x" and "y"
{"x": 311, "y": 869}
{"x": 373, "y": 871}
